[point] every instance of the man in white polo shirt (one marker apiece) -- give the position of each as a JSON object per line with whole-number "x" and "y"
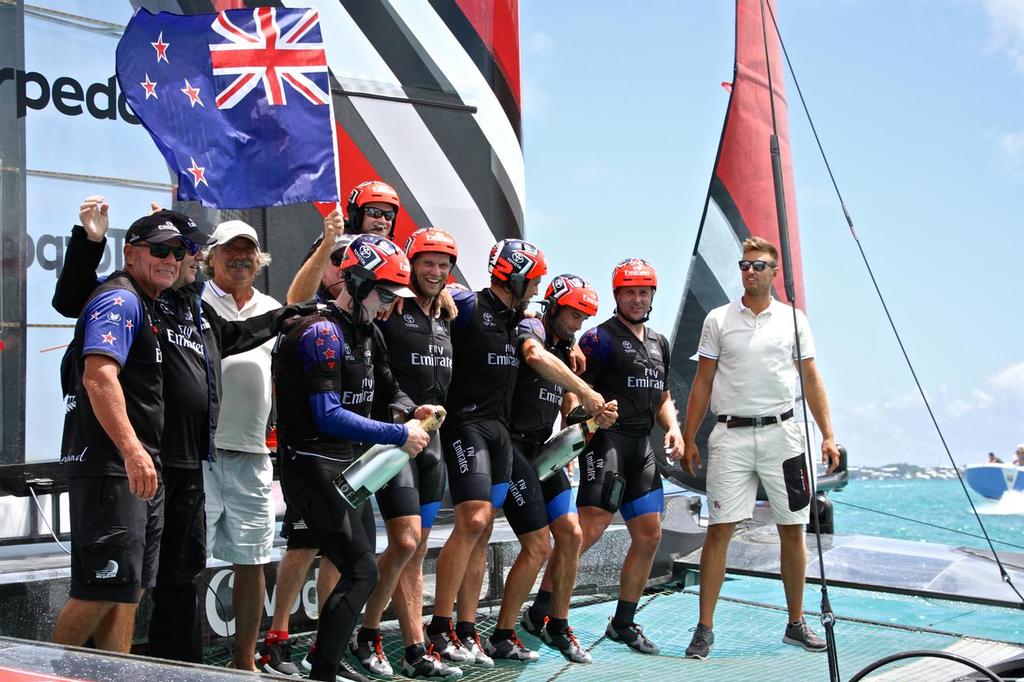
{"x": 747, "y": 371}
{"x": 239, "y": 504}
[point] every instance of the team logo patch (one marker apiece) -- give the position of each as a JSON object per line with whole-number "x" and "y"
{"x": 107, "y": 572}
{"x": 628, "y": 347}
{"x": 114, "y": 317}
{"x": 488, "y": 319}
{"x": 409, "y": 320}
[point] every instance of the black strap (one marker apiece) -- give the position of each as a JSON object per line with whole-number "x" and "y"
{"x": 734, "y": 422}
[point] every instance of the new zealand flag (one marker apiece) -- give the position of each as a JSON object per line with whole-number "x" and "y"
{"x": 238, "y": 103}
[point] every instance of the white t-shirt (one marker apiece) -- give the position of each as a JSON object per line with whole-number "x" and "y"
{"x": 246, "y": 396}
{"x": 756, "y": 375}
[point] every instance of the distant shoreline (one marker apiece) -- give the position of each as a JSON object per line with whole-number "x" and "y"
{"x": 902, "y": 472}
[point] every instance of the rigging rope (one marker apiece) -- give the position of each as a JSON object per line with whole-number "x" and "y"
{"x": 853, "y": 232}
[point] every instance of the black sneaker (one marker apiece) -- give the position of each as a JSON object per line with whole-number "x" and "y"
{"x": 347, "y": 673}
{"x": 448, "y": 646}
{"x": 567, "y": 645}
{"x": 430, "y": 665}
{"x": 276, "y": 658}
{"x": 701, "y": 643}
{"x": 511, "y": 649}
{"x": 800, "y": 634}
{"x": 371, "y": 656}
{"x": 530, "y": 625}
{"x": 633, "y": 636}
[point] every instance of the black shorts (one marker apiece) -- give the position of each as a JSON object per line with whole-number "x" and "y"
{"x": 618, "y": 471}
{"x": 416, "y": 489}
{"x": 478, "y": 457}
{"x": 531, "y": 503}
{"x": 115, "y": 539}
{"x": 294, "y": 528}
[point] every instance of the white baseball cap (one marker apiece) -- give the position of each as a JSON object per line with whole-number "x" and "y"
{"x": 231, "y": 229}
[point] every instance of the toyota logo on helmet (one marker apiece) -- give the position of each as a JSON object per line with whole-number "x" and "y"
{"x": 572, "y": 291}
{"x": 371, "y": 260}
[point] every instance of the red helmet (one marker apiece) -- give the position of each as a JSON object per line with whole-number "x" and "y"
{"x": 431, "y": 240}
{"x": 368, "y": 192}
{"x": 371, "y": 260}
{"x": 516, "y": 258}
{"x": 572, "y": 291}
{"x": 634, "y": 272}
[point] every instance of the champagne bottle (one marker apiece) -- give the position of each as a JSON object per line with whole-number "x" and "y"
{"x": 377, "y": 466}
{"x": 562, "y": 447}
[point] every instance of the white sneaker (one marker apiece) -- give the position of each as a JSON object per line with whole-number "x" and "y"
{"x": 476, "y": 650}
{"x": 371, "y": 656}
{"x": 448, "y": 646}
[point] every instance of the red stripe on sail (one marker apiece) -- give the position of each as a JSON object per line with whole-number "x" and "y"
{"x": 354, "y": 168}
{"x": 497, "y": 24}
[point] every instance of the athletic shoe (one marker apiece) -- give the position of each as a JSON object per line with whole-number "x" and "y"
{"x": 633, "y": 636}
{"x": 701, "y": 643}
{"x": 347, "y": 673}
{"x": 530, "y": 625}
{"x": 371, "y": 656}
{"x": 511, "y": 649}
{"x": 800, "y": 634}
{"x": 448, "y": 646}
{"x": 430, "y": 665}
{"x": 307, "y": 660}
{"x": 476, "y": 650}
{"x": 567, "y": 645}
{"x": 276, "y": 658}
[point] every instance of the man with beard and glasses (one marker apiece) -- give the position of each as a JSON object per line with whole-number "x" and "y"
{"x": 539, "y": 510}
{"x": 193, "y": 338}
{"x": 328, "y": 371}
{"x": 747, "y": 372}
{"x": 419, "y": 346}
{"x": 628, "y": 362}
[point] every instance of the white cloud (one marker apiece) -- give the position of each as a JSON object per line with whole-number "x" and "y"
{"x": 1009, "y": 379}
{"x": 1007, "y": 26}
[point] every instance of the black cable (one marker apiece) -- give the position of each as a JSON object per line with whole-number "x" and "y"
{"x": 924, "y": 653}
{"x": 924, "y": 523}
{"x": 853, "y": 232}
{"x": 828, "y": 617}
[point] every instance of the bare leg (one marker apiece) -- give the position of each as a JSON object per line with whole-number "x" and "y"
{"x": 403, "y": 540}
{"x": 291, "y": 573}
{"x": 473, "y": 580}
{"x": 79, "y": 619}
{"x": 115, "y": 631}
{"x": 472, "y": 518}
{"x": 536, "y": 547}
{"x": 565, "y": 560}
{"x": 793, "y": 566}
{"x": 644, "y": 538}
{"x": 712, "y": 569}
{"x": 247, "y": 599}
{"x": 408, "y": 597}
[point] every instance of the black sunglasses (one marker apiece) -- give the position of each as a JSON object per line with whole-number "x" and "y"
{"x": 386, "y": 296}
{"x": 375, "y": 212}
{"x": 758, "y": 265}
{"x": 161, "y": 251}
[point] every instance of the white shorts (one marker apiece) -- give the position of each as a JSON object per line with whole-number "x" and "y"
{"x": 738, "y": 457}
{"x": 240, "y": 508}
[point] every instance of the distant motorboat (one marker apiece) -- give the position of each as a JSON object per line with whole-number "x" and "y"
{"x": 992, "y": 480}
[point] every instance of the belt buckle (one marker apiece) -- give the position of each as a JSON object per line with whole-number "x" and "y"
{"x": 758, "y": 422}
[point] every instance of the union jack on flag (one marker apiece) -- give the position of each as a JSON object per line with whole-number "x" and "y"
{"x": 238, "y": 103}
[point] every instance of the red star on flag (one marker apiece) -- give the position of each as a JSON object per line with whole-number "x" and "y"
{"x": 109, "y": 338}
{"x": 334, "y": 337}
{"x": 128, "y": 324}
{"x": 150, "y": 87}
{"x": 95, "y": 315}
{"x": 319, "y": 342}
{"x": 325, "y": 331}
{"x": 193, "y": 95}
{"x": 198, "y": 173}
{"x": 329, "y": 353}
{"x": 118, "y": 300}
{"x": 161, "y": 48}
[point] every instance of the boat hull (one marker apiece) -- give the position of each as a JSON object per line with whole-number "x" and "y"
{"x": 993, "y": 480}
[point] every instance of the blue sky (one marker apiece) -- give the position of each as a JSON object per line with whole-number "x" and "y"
{"x": 920, "y": 106}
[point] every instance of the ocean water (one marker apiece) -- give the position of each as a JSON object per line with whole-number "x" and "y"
{"x": 939, "y": 503}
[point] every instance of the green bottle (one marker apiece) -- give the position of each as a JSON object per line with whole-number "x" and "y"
{"x": 376, "y": 467}
{"x": 562, "y": 447}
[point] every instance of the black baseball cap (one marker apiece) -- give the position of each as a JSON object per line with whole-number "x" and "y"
{"x": 186, "y": 225}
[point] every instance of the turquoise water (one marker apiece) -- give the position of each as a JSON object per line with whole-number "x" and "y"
{"x": 937, "y": 502}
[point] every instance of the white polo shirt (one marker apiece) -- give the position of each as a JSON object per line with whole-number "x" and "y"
{"x": 247, "y": 390}
{"x": 756, "y": 354}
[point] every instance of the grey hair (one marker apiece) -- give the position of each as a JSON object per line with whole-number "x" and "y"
{"x": 262, "y": 260}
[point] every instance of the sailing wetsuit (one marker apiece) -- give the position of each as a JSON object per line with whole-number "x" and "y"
{"x": 327, "y": 372}
{"x": 475, "y": 437}
{"x": 532, "y": 504}
{"x": 617, "y": 467}
{"x": 420, "y": 353}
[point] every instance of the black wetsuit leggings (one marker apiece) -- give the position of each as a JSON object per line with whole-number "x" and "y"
{"x": 307, "y": 482}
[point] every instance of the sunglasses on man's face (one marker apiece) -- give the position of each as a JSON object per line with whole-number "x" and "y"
{"x": 386, "y": 296}
{"x": 161, "y": 251}
{"x": 375, "y": 212}
{"x": 758, "y": 265}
